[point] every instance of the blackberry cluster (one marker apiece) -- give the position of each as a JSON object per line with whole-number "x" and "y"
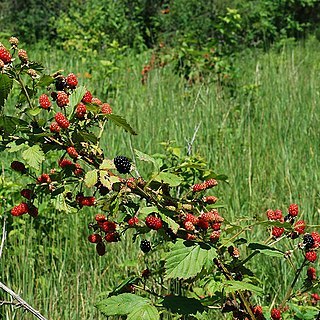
{"x": 145, "y": 246}
{"x": 122, "y": 164}
{"x": 308, "y": 241}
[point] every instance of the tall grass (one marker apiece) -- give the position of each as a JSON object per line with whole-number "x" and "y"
{"x": 265, "y": 138}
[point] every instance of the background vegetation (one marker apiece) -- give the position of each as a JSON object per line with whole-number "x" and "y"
{"x": 261, "y": 128}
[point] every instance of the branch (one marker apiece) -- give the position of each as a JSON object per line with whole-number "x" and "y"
{"x": 4, "y": 235}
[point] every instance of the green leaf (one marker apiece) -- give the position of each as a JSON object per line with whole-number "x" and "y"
{"x": 169, "y": 178}
{"x": 145, "y": 312}
{"x": 45, "y": 80}
{"x": 77, "y": 96}
{"x": 13, "y": 147}
{"x": 267, "y": 250}
{"x": 232, "y": 286}
{"x": 122, "y": 304}
{"x": 33, "y": 156}
{"x": 171, "y": 223}
{"x": 61, "y": 204}
{"x": 144, "y": 157}
{"x": 9, "y": 124}
{"x": 91, "y": 178}
{"x": 144, "y": 212}
{"x": 5, "y": 87}
{"x": 182, "y": 305}
{"x": 34, "y": 112}
{"x": 107, "y": 164}
{"x": 186, "y": 260}
{"x": 121, "y": 122}
{"x": 304, "y": 312}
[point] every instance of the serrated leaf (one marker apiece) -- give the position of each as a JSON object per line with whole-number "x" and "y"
{"x": 107, "y": 164}
{"x": 232, "y": 286}
{"x": 33, "y": 156}
{"x": 10, "y": 124}
{"x": 122, "y": 304}
{"x": 279, "y": 224}
{"x": 186, "y": 260}
{"x": 171, "y": 223}
{"x": 61, "y": 204}
{"x": 304, "y": 312}
{"x": 145, "y": 312}
{"x": 91, "y": 178}
{"x": 182, "y": 305}
{"x": 77, "y": 96}
{"x": 121, "y": 122}
{"x": 5, "y": 88}
{"x": 144, "y": 212}
{"x": 45, "y": 80}
{"x": 13, "y": 147}
{"x": 169, "y": 178}
{"x": 107, "y": 180}
{"x": 145, "y": 157}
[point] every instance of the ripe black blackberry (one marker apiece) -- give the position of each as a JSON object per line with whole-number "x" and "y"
{"x": 145, "y": 246}
{"x": 308, "y": 240}
{"x": 122, "y": 164}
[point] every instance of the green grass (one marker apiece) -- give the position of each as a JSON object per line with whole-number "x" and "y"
{"x": 266, "y": 139}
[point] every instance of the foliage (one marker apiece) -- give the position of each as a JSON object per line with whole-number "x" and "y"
{"x": 203, "y": 253}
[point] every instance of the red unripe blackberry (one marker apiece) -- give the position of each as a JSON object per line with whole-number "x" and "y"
{"x": 202, "y": 224}
{"x": 215, "y": 235}
{"x": 5, "y": 55}
{"x": 122, "y": 164}
{"x": 33, "y": 211}
{"x": 78, "y": 171}
{"x": 106, "y": 109}
{"x": 300, "y": 226}
{"x": 112, "y": 237}
{"x": 293, "y": 210}
{"x": 96, "y": 101}
{"x": 234, "y": 252}
{"x": 211, "y": 183}
{"x": 133, "y": 221}
{"x": 101, "y": 248}
{"x": 20, "y": 209}
{"x": 311, "y": 273}
{"x": 26, "y": 193}
{"x": 315, "y": 298}
{"x": 44, "y": 102}
{"x": 44, "y": 178}
{"x": 95, "y": 238}
{"x": 81, "y": 111}
{"x": 108, "y": 226}
{"x": 316, "y": 239}
{"x": 257, "y": 311}
{"x": 145, "y": 273}
{"x": 308, "y": 240}
{"x": 198, "y": 187}
{"x": 71, "y": 80}
{"x": 72, "y": 152}
{"x": 208, "y": 216}
{"x": 216, "y": 226}
{"x": 278, "y": 215}
{"x": 62, "y": 120}
{"x": 189, "y": 226}
{"x": 153, "y": 222}
{"x": 23, "y": 56}
{"x": 311, "y": 256}
{"x": 54, "y": 127}
{"x": 190, "y": 217}
{"x": 62, "y": 99}
{"x": 100, "y": 217}
{"x": 277, "y": 232}
{"x": 65, "y": 163}
{"x": 18, "y": 166}
{"x": 145, "y": 246}
{"x": 87, "y": 98}
{"x": 88, "y": 201}
{"x": 275, "y": 314}
{"x": 210, "y": 199}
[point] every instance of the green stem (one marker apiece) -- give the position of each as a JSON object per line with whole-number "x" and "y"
{"x": 24, "y": 90}
{"x": 289, "y": 291}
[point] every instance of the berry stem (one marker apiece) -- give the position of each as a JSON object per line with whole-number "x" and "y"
{"x": 289, "y": 291}
{"x": 18, "y": 78}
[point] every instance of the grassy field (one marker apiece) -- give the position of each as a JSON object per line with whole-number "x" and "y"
{"x": 266, "y": 139}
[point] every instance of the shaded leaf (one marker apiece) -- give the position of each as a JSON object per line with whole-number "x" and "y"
{"x": 45, "y": 80}
{"x": 232, "y": 286}
{"x": 121, "y": 122}
{"x": 9, "y": 124}
{"x": 5, "y": 88}
{"x": 182, "y": 305}
{"x": 34, "y": 112}
{"x": 267, "y": 250}
{"x": 186, "y": 260}
{"x": 33, "y": 156}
